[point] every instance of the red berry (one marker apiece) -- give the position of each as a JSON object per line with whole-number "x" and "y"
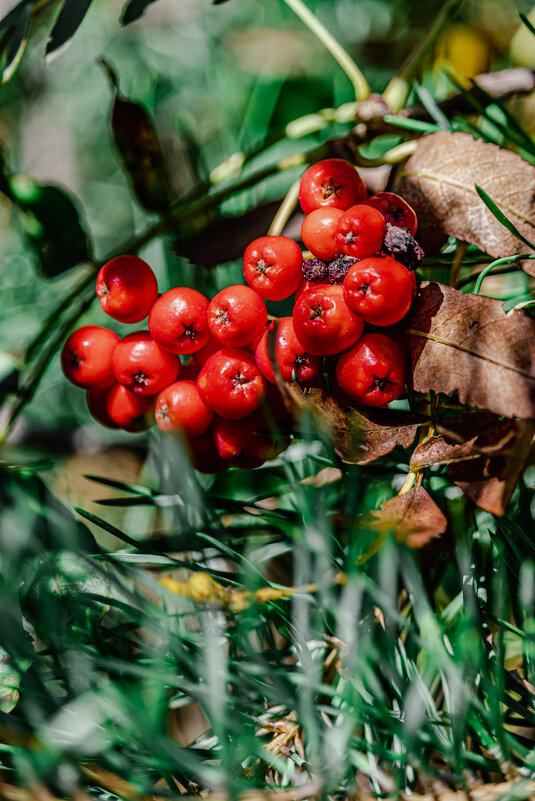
{"x": 240, "y": 442}
{"x": 379, "y": 290}
{"x": 394, "y": 209}
{"x": 305, "y": 286}
{"x": 86, "y": 357}
{"x": 236, "y": 316}
{"x": 290, "y": 354}
{"x": 96, "y": 403}
{"x": 360, "y": 231}
{"x": 231, "y": 384}
{"x": 372, "y": 372}
{"x": 323, "y": 323}
{"x": 332, "y": 182}
{"x": 179, "y": 409}
{"x": 142, "y": 365}
{"x": 129, "y": 411}
{"x": 318, "y": 232}
{"x": 189, "y": 370}
{"x": 178, "y": 320}
{"x": 127, "y": 288}
{"x": 204, "y": 455}
{"x": 272, "y": 266}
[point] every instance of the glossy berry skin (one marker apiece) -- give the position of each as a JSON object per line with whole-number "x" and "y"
{"x": 236, "y": 316}
{"x": 290, "y": 354}
{"x": 305, "y": 286}
{"x": 331, "y": 182}
{"x": 239, "y": 442}
{"x": 127, "y": 288}
{"x": 211, "y": 347}
{"x": 272, "y": 266}
{"x": 86, "y": 358}
{"x": 323, "y": 323}
{"x": 180, "y": 410}
{"x": 318, "y": 232}
{"x": 178, "y": 320}
{"x": 142, "y": 365}
{"x": 372, "y": 372}
{"x": 379, "y": 290}
{"x": 360, "y": 231}
{"x": 394, "y": 209}
{"x": 231, "y": 384}
{"x": 129, "y": 411}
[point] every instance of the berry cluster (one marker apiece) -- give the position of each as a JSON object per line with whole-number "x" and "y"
{"x": 208, "y": 369}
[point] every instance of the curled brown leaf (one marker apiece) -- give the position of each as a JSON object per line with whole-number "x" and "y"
{"x": 467, "y": 344}
{"x": 439, "y": 182}
{"x": 413, "y": 517}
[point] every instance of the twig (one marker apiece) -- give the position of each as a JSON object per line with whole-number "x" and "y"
{"x": 455, "y": 271}
{"x": 285, "y": 210}
{"x": 360, "y": 84}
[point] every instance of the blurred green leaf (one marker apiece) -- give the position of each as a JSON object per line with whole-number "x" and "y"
{"x": 52, "y": 225}
{"x": 9, "y": 683}
{"x": 136, "y": 140}
{"x": 69, "y": 19}
{"x": 15, "y": 42}
{"x": 134, "y": 10}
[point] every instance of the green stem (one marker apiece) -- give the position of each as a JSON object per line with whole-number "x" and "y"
{"x": 483, "y": 274}
{"x": 360, "y": 84}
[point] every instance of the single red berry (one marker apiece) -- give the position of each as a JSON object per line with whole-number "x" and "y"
{"x": 127, "y": 288}
{"x": 394, "y": 209}
{"x": 323, "y": 323}
{"x": 372, "y": 372}
{"x": 360, "y": 231}
{"x": 332, "y": 182}
{"x": 180, "y": 410}
{"x": 142, "y": 365}
{"x": 96, "y": 403}
{"x": 178, "y": 320}
{"x": 305, "y": 286}
{"x": 236, "y": 316}
{"x": 292, "y": 358}
{"x": 231, "y": 384}
{"x": 318, "y": 232}
{"x": 86, "y": 358}
{"x": 129, "y": 411}
{"x": 241, "y": 442}
{"x": 272, "y": 266}
{"x": 379, "y": 290}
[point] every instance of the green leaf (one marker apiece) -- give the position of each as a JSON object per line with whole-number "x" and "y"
{"x": 527, "y": 23}
{"x": 500, "y": 216}
{"x": 136, "y": 140}
{"x": 52, "y": 225}
{"x": 69, "y": 19}
{"x": 9, "y": 683}
{"x": 17, "y": 43}
{"x": 134, "y": 10}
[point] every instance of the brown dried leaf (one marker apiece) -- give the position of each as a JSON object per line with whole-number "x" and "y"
{"x": 413, "y": 517}
{"x": 358, "y": 438}
{"x": 439, "y": 179}
{"x": 485, "y": 456}
{"x": 467, "y": 436}
{"x": 467, "y": 344}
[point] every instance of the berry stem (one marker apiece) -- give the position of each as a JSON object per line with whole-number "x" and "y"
{"x": 360, "y": 84}
{"x": 285, "y": 210}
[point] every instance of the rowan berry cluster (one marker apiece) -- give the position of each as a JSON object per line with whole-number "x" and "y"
{"x": 209, "y": 369}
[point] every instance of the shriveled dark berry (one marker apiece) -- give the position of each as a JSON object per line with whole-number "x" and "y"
{"x": 402, "y": 246}
{"x": 315, "y": 270}
{"x": 339, "y": 267}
